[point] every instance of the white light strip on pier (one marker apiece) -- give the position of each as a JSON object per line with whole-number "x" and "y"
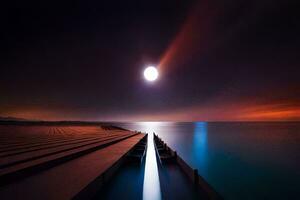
{"x": 151, "y": 188}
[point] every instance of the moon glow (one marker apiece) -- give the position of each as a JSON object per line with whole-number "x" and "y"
{"x": 151, "y": 73}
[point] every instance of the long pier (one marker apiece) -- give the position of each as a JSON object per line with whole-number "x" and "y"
{"x": 60, "y": 161}
{"x": 77, "y": 161}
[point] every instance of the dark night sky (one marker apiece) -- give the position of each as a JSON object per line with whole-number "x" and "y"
{"x": 83, "y": 60}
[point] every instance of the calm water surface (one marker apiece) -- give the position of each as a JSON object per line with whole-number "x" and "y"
{"x": 240, "y": 160}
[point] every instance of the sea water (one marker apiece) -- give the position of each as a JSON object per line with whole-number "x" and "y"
{"x": 241, "y": 160}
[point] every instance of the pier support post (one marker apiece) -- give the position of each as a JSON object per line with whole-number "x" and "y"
{"x": 196, "y": 177}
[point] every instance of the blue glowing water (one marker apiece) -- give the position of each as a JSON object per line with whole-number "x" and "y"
{"x": 240, "y": 160}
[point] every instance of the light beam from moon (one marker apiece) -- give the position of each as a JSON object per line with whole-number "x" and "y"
{"x": 193, "y": 39}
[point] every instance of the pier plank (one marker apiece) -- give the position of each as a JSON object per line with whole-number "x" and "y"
{"x": 64, "y": 181}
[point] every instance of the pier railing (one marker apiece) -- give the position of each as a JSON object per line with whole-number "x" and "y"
{"x": 192, "y": 174}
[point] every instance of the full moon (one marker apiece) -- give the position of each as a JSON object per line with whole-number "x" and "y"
{"x": 150, "y": 73}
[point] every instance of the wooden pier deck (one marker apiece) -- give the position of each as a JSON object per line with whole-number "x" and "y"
{"x": 59, "y": 161}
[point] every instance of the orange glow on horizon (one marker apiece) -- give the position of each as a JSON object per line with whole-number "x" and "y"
{"x": 221, "y": 110}
{"x": 228, "y": 112}
{"x": 275, "y": 112}
{"x": 192, "y": 114}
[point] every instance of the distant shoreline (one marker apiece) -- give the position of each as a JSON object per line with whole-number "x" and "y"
{"x": 105, "y": 125}
{"x": 97, "y": 123}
